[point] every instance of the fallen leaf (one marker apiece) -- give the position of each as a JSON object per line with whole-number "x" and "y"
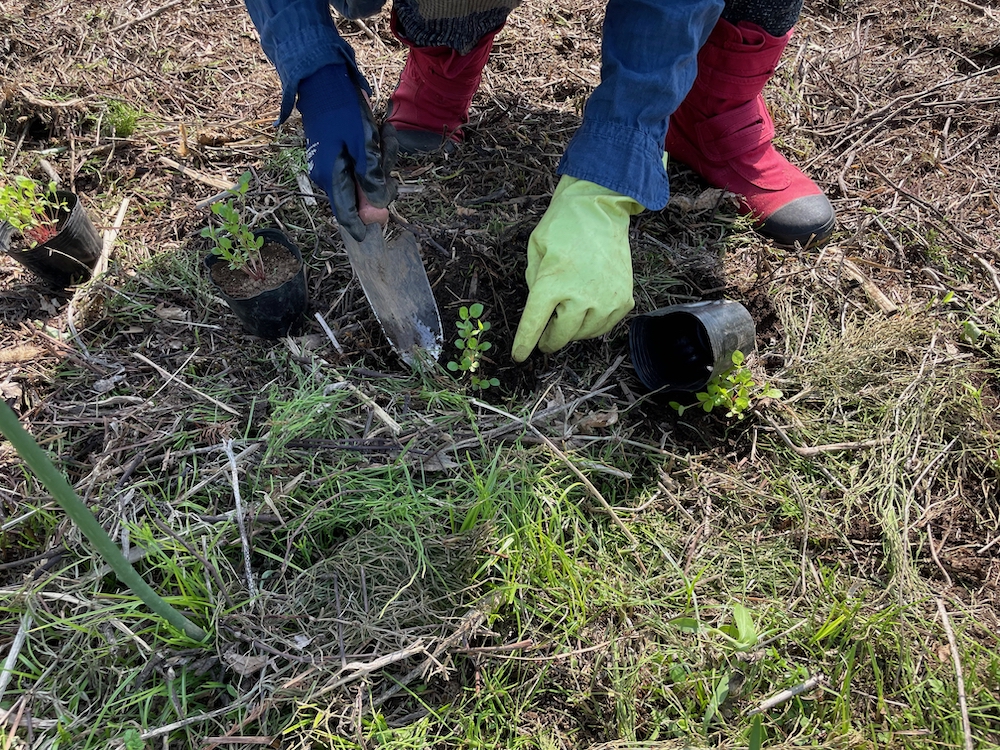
{"x": 107, "y": 384}
{"x": 597, "y": 420}
{"x": 12, "y": 393}
{"x": 438, "y": 462}
{"x": 171, "y": 313}
{"x": 682, "y": 203}
{"x": 708, "y": 199}
{"x": 943, "y": 653}
{"x": 245, "y": 664}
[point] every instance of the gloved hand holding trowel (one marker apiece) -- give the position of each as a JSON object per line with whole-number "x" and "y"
{"x": 351, "y": 161}
{"x": 343, "y": 145}
{"x": 699, "y": 65}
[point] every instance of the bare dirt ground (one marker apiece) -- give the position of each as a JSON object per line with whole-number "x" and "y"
{"x": 891, "y": 108}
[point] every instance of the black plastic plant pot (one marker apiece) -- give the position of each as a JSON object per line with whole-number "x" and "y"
{"x": 678, "y": 349}
{"x": 66, "y": 258}
{"x": 272, "y": 313}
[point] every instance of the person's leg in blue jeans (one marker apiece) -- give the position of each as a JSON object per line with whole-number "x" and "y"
{"x": 723, "y": 130}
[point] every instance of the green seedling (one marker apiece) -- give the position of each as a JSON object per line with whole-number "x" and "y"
{"x": 470, "y": 343}
{"x": 31, "y": 210}
{"x": 121, "y": 118}
{"x": 734, "y": 389}
{"x": 234, "y": 240}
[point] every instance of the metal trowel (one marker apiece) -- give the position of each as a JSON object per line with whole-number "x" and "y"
{"x": 395, "y": 282}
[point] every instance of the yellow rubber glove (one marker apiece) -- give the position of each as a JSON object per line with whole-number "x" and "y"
{"x": 579, "y": 268}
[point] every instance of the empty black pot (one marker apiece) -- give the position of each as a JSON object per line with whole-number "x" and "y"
{"x": 679, "y": 348}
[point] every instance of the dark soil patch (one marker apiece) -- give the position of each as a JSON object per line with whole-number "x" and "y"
{"x": 278, "y": 265}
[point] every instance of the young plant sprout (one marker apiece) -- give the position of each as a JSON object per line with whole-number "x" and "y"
{"x": 734, "y": 390}
{"x": 32, "y": 211}
{"x": 234, "y": 240}
{"x": 470, "y": 343}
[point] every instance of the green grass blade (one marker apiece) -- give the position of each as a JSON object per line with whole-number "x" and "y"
{"x": 46, "y": 471}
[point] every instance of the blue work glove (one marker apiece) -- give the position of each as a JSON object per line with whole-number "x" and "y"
{"x": 347, "y": 157}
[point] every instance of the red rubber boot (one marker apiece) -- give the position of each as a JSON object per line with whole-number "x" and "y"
{"x": 723, "y": 131}
{"x": 431, "y": 103}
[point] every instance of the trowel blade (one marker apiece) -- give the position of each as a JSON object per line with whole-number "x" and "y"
{"x": 395, "y": 282}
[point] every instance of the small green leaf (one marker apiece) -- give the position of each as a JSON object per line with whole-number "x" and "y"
{"x": 719, "y": 696}
{"x": 485, "y": 346}
{"x": 747, "y": 632}
{"x": 971, "y": 332}
{"x": 494, "y": 381}
{"x": 132, "y": 740}
{"x": 738, "y": 358}
{"x": 453, "y": 366}
{"x": 476, "y": 310}
{"x": 463, "y": 312}
{"x": 686, "y": 624}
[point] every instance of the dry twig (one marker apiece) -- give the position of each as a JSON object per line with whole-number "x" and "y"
{"x": 963, "y": 705}
{"x": 787, "y": 695}
{"x": 227, "y": 446}
{"x": 146, "y": 16}
{"x": 172, "y": 377}
{"x": 815, "y": 450}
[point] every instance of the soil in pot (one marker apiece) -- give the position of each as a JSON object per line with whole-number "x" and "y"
{"x": 280, "y": 266}
{"x": 268, "y": 307}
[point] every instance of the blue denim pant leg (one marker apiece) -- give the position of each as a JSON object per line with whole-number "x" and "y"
{"x": 648, "y": 65}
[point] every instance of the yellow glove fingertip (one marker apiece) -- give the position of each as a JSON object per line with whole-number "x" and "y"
{"x": 533, "y": 323}
{"x": 524, "y": 344}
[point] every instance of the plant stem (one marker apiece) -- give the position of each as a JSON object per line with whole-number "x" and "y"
{"x": 40, "y": 463}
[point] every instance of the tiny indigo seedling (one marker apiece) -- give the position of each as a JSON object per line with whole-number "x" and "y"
{"x": 234, "y": 240}
{"x": 470, "y": 342}
{"x": 733, "y": 389}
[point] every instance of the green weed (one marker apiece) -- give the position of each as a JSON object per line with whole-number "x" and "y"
{"x": 121, "y": 119}
{"x": 471, "y": 344}
{"x": 733, "y": 389}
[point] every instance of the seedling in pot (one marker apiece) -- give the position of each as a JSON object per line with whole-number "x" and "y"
{"x": 234, "y": 240}
{"x": 470, "y": 343}
{"x": 32, "y": 211}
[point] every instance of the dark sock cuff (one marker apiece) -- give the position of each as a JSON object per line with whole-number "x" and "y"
{"x": 776, "y": 17}
{"x": 459, "y": 33}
